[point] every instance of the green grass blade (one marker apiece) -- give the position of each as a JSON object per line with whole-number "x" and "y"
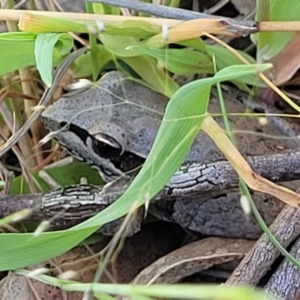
{"x": 174, "y": 291}
{"x": 20, "y": 250}
{"x": 181, "y": 123}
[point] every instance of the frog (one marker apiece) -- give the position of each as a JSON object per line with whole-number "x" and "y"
{"x": 112, "y": 125}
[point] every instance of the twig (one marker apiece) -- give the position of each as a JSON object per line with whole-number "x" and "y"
{"x": 72, "y": 209}
{"x": 181, "y": 14}
{"x": 259, "y": 260}
{"x": 158, "y": 10}
{"x": 284, "y": 282}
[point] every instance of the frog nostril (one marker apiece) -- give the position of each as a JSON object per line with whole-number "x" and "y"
{"x": 64, "y": 125}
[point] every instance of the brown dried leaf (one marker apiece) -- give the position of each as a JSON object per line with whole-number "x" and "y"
{"x": 286, "y": 62}
{"x": 253, "y": 180}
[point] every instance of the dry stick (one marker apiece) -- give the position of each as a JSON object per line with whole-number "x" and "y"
{"x": 157, "y": 10}
{"x": 31, "y": 88}
{"x": 27, "y": 174}
{"x": 24, "y": 145}
{"x": 61, "y": 69}
{"x": 193, "y": 258}
{"x": 14, "y": 15}
{"x": 284, "y": 282}
{"x": 92, "y": 199}
{"x": 167, "y": 11}
{"x": 13, "y": 203}
{"x": 259, "y": 260}
{"x": 177, "y": 13}
{"x": 218, "y": 177}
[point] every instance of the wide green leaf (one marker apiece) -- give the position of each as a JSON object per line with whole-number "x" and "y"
{"x": 179, "y": 61}
{"x": 20, "y": 250}
{"x": 18, "y": 51}
{"x": 144, "y": 65}
{"x": 64, "y": 176}
{"x": 43, "y": 51}
{"x": 269, "y": 44}
{"x": 278, "y": 47}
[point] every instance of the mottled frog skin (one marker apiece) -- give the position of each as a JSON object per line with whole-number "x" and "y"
{"x": 112, "y": 126}
{"x": 124, "y": 116}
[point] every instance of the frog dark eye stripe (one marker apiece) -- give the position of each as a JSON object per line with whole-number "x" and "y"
{"x": 79, "y": 132}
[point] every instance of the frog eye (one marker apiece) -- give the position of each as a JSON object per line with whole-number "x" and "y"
{"x": 106, "y": 146}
